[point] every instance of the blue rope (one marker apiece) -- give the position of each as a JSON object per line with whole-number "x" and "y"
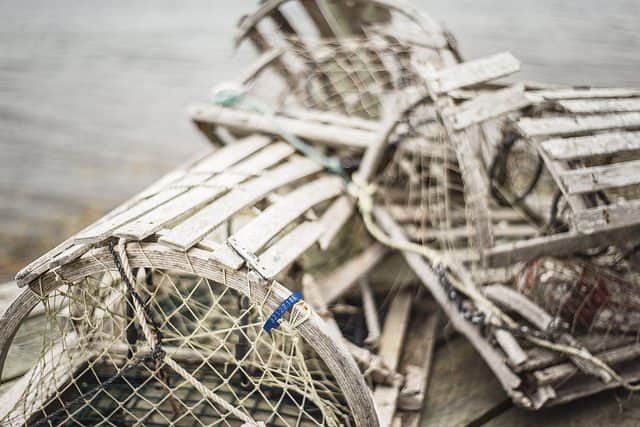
{"x": 231, "y": 97}
{"x": 273, "y": 320}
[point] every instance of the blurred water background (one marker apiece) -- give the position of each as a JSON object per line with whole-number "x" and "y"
{"x": 93, "y": 94}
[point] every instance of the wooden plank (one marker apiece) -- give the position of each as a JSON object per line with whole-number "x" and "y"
{"x": 332, "y": 118}
{"x": 347, "y": 275}
{"x": 264, "y": 61}
{"x": 231, "y": 154}
{"x": 391, "y": 341}
{"x": 587, "y": 93}
{"x": 592, "y": 145}
{"x": 191, "y": 201}
{"x": 596, "y": 178}
{"x": 286, "y": 250}
{"x": 247, "y": 121}
{"x": 493, "y": 357}
{"x": 568, "y": 126}
{"x": 221, "y": 158}
{"x": 489, "y": 106}
{"x": 252, "y": 237}
{"x": 558, "y": 373}
{"x": 558, "y": 244}
{"x": 417, "y": 355}
{"x": 222, "y": 253}
{"x": 334, "y": 218}
{"x": 580, "y": 106}
{"x": 610, "y": 216}
{"x": 472, "y": 72}
{"x": 193, "y": 229}
{"x": 370, "y": 313}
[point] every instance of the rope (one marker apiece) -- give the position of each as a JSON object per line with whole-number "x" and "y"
{"x": 155, "y": 339}
{"x": 230, "y": 95}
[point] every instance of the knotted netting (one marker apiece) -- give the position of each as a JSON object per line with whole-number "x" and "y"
{"x": 174, "y": 349}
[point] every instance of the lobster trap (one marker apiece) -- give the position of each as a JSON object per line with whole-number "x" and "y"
{"x": 356, "y": 150}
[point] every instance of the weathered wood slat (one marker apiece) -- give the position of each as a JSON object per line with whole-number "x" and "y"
{"x": 596, "y": 178}
{"x": 189, "y": 202}
{"x": 610, "y": 216}
{"x": 393, "y": 334}
{"x": 370, "y": 313}
{"x": 252, "y": 237}
{"x": 193, "y": 229}
{"x": 222, "y": 253}
{"x": 592, "y": 145}
{"x": 428, "y": 40}
{"x": 499, "y": 231}
{"x": 558, "y": 244}
{"x": 103, "y": 230}
{"x": 231, "y": 154}
{"x": 490, "y": 105}
{"x": 247, "y": 121}
{"x": 334, "y": 219}
{"x": 568, "y": 126}
{"x": 332, "y": 118}
{"x": 473, "y": 72}
{"x": 557, "y": 94}
{"x": 561, "y": 371}
{"x": 580, "y": 106}
{"x": 286, "y": 250}
{"x": 347, "y": 275}
{"x": 417, "y": 356}
{"x": 221, "y": 159}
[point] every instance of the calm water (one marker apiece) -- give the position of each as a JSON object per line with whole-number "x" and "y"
{"x": 93, "y": 93}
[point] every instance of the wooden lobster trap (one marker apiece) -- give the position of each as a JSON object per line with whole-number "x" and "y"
{"x": 527, "y": 226}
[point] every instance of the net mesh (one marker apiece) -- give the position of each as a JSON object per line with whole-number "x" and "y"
{"x": 351, "y": 76}
{"x": 97, "y": 368}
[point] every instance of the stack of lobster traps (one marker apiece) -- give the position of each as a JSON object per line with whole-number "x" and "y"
{"x": 365, "y": 187}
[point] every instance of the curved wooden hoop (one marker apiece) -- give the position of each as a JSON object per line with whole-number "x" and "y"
{"x": 153, "y": 255}
{"x": 424, "y": 21}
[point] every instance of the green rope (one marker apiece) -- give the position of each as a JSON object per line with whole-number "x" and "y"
{"x": 230, "y": 97}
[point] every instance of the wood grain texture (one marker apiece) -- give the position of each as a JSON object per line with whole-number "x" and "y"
{"x": 592, "y": 145}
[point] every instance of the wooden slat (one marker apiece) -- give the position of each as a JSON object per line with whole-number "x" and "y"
{"x": 577, "y": 125}
{"x": 370, "y": 313}
{"x": 222, "y": 253}
{"x": 334, "y": 219}
{"x": 580, "y": 106}
{"x": 347, "y": 275}
{"x": 393, "y": 333}
{"x": 596, "y": 178}
{"x": 189, "y": 202}
{"x": 286, "y": 250}
{"x": 592, "y": 145}
{"x": 231, "y": 154}
{"x": 558, "y": 94}
{"x": 193, "y": 229}
{"x": 557, "y": 244}
{"x": 490, "y": 105}
{"x": 246, "y": 121}
{"x": 473, "y": 72}
{"x": 224, "y": 157}
{"x": 603, "y": 217}
{"x": 416, "y": 362}
{"x": 252, "y": 237}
